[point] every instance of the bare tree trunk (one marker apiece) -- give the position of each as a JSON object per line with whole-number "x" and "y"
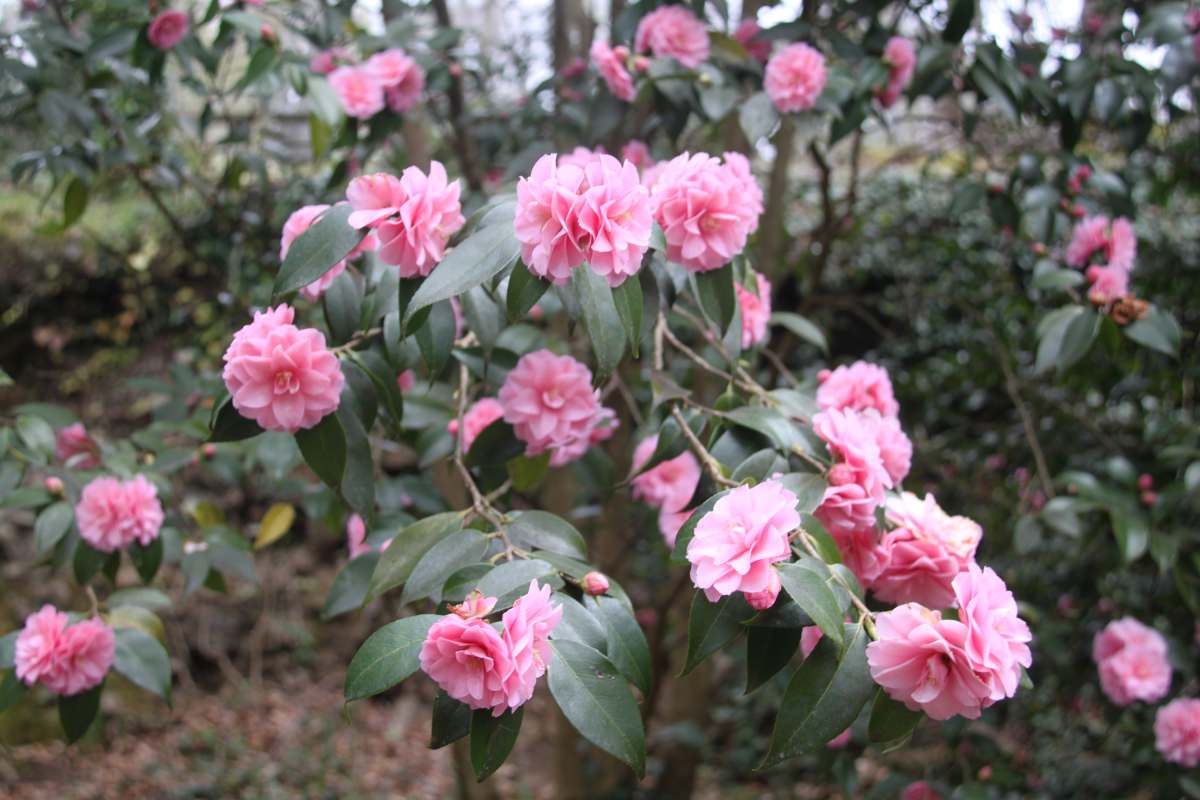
{"x": 773, "y": 259}
{"x": 463, "y": 143}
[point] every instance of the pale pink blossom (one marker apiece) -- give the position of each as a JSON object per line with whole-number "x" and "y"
{"x": 1135, "y": 674}
{"x": 1177, "y": 731}
{"x": 593, "y": 209}
{"x": 901, "y": 58}
{"x": 65, "y": 659}
{"x": 857, "y": 463}
{"x": 747, "y": 35}
{"x": 1115, "y": 244}
{"x": 402, "y": 79}
{"x": 610, "y": 63}
{"x": 527, "y": 628}
{"x": 895, "y": 448}
{"x": 603, "y": 425}
{"x": 755, "y": 308}
{"x": 669, "y": 523}
{"x": 114, "y": 514}
{"x": 924, "y": 553}
{"x": 581, "y": 156}
{"x": 1107, "y": 284}
{"x": 549, "y": 400}
{"x": 795, "y": 77}
{"x": 669, "y": 484}
{"x": 673, "y": 31}
{"x": 326, "y": 61}
{"x": 764, "y": 599}
{"x": 706, "y": 208}
{"x": 297, "y": 223}
{"x": 414, "y": 215}
{"x": 846, "y": 506}
{"x": 857, "y": 386}
{"x": 75, "y": 448}
{"x": 997, "y": 642}
{"x": 470, "y": 660}
{"x": 636, "y": 152}
{"x": 474, "y": 606}
{"x": 167, "y": 29}
{"x": 594, "y": 583}
{"x": 356, "y": 536}
{"x": 920, "y": 660}
{"x": 281, "y": 376}
{"x": 482, "y": 413}
{"x": 361, "y": 95}
{"x": 1123, "y": 633}
{"x": 736, "y": 542}
{"x": 861, "y": 552}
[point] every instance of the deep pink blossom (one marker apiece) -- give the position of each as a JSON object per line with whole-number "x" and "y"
{"x": 736, "y": 542}
{"x": 1177, "y": 731}
{"x": 861, "y": 552}
{"x": 402, "y": 79}
{"x": 706, "y": 208}
{"x": 756, "y": 309}
{"x": 167, "y": 29}
{"x": 764, "y": 599}
{"x": 65, "y": 659}
{"x": 924, "y": 553}
{"x": 549, "y": 400}
{"x": 114, "y": 514}
{"x": 281, "y": 376}
{"x": 673, "y": 31}
{"x": 610, "y": 63}
{"x": 413, "y": 216}
{"x": 361, "y": 95}
{"x": 795, "y": 77}
{"x": 901, "y": 58}
{"x": 858, "y": 386}
{"x": 747, "y": 35}
{"x": 669, "y": 484}
{"x": 482, "y": 413}
{"x": 297, "y": 223}
{"x": 75, "y": 448}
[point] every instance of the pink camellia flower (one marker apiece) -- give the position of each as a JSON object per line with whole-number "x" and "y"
{"x": 919, "y": 790}
{"x": 1107, "y": 284}
{"x": 603, "y": 425}
{"x": 474, "y": 605}
{"x": 847, "y": 506}
{"x": 75, "y": 448}
{"x": 636, "y": 152}
{"x": 901, "y": 58}
{"x": 673, "y": 31}
{"x": 610, "y": 63}
{"x": 406, "y": 380}
{"x": 736, "y": 543}
{"x": 1177, "y": 731}
{"x": 762, "y": 600}
{"x": 581, "y": 156}
{"x": 795, "y": 77}
{"x": 470, "y": 660}
{"x": 356, "y": 536}
{"x": 706, "y": 208}
{"x": 65, "y": 659}
{"x": 595, "y": 583}
{"x": 361, "y": 95}
{"x": 297, "y": 223}
{"x": 483, "y": 412}
{"x": 861, "y": 553}
{"x": 527, "y": 628}
{"x": 920, "y": 660}
{"x": 413, "y": 215}
{"x": 1115, "y": 243}
{"x": 167, "y": 29}
{"x": 851, "y": 439}
{"x": 326, "y": 61}
{"x": 574, "y": 68}
{"x": 859, "y": 386}
{"x": 755, "y": 308}
{"x": 669, "y": 523}
{"x": 281, "y": 376}
{"x": 746, "y": 35}
{"x": 402, "y": 79}
{"x": 112, "y": 514}
{"x": 1126, "y": 633}
{"x": 668, "y": 485}
{"x": 895, "y": 448}
{"x": 997, "y": 643}
{"x": 592, "y": 209}
{"x": 1135, "y": 673}
{"x": 924, "y": 553}
{"x": 548, "y": 399}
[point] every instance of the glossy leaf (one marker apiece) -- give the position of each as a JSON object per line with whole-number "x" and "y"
{"x": 627, "y": 648}
{"x": 441, "y": 561}
{"x": 52, "y": 524}
{"x": 476, "y": 260}
{"x": 628, "y": 299}
{"x": 492, "y": 739}
{"x": 406, "y": 549}
{"x": 600, "y": 318}
{"x": 768, "y": 650}
{"x": 141, "y": 659}
{"x": 807, "y": 582}
{"x": 314, "y": 252}
{"x": 349, "y": 589}
{"x": 78, "y": 711}
{"x": 451, "y": 720}
{"x": 324, "y": 449}
{"x": 892, "y": 723}
{"x": 711, "y": 626}
{"x": 388, "y": 656}
{"x": 546, "y": 531}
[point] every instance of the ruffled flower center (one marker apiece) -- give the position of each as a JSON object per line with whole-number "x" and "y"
{"x": 286, "y": 382}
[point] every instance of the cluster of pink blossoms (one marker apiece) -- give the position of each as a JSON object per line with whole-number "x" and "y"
{"x": 668, "y": 486}
{"x": 948, "y": 667}
{"x": 610, "y": 63}
{"x": 707, "y": 208}
{"x": 901, "y": 58}
{"x": 297, "y": 223}
{"x": 871, "y": 455}
{"x": 75, "y": 448}
{"x": 1132, "y": 660}
{"x": 167, "y": 29}
{"x": 412, "y": 216}
{"x": 795, "y": 77}
{"x": 550, "y": 402}
{"x": 1177, "y": 724}
{"x": 281, "y": 376}
{"x": 584, "y": 207}
{"x": 113, "y": 514}
{"x": 66, "y": 659}
{"x": 747, "y": 35}
{"x": 486, "y": 668}
{"x": 755, "y": 307}
{"x": 675, "y": 32}
{"x": 1108, "y": 250}
{"x": 389, "y": 78}
{"x": 736, "y": 543}
{"x": 919, "y": 559}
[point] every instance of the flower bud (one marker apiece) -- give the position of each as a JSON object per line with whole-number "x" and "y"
{"x": 1145, "y": 482}
{"x": 1149, "y": 498}
{"x": 595, "y": 583}
{"x": 54, "y": 485}
{"x": 210, "y": 450}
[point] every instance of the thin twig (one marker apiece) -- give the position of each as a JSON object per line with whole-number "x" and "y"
{"x": 695, "y": 357}
{"x": 356, "y": 340}
{"x": 706, "y": 458}
{"x": 1012, "y": 387}
{"x": 866, "y": 616}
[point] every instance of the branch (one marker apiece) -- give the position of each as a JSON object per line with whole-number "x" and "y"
{"x": 1012, "y": 387}
{"x": 706, "y": 458}
{"x": 464, "y": 144}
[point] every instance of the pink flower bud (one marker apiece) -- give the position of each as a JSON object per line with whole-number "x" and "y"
{"x": 54, "y": 485}
{"x": 595, "y": 583}
{"x": 406, "y": 380}
{"x": 210, "y": 450}
{"x": 456, "y": 69}
{"x": 1145, "y": 482}
{"x": 985, "y": 772}
{"x": 267, "y": 33}
{"x": 1149, "y": 498}
{"x": 474, "y": 606}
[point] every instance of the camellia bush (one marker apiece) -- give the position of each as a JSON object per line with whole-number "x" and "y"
{"x": 572, "y": 315}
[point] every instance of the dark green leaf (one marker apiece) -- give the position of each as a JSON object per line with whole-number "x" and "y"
{"x": 358, "y": 481}
{"x": 524, "y": 290}
{"x": 482, "y": 256}
{"x": 441, "y": 561}
{"x": 492, "y": 739}
{"x": 77, "y": 712}
{"x": 436, "y": 336}
{"x": 510, "y": 579}
{"x": 1158, "y": 330}
{"x": 527, "y": 472}
{"x": 809, "y": 488}
{"x": 496, "y": 444}
{"x": 1077, "y": 339}
{"x": 541, "y": 529}
{"x": 230, "y": 426}
{"x": 451, "y": 720}
{"x": 892, "y": 724}
{"x": 578, "y": 625}
{"x": 961, "y": 14}
{"x": 141, "y": 659}
{"x": 801, "y": 327}
{"x": 628, "y": 299}
{"x": 342, "y": 302}
{"x": 770, "y": 422}
{"x": 147, "y": 559}
{"x": 768, "y": 650}
{"x": 8, "y": 649}
{"x": 463, "y": 582}
{"x": 349, "y": 589}
{"x": 1132, "y": 532}
{"x": 758, "y": 117}
{"x": 87, "y": 562}
{"x": 627, "y": 648}
{"x": 388, "y": 656}
{"x": 324, "y": 450}
{"x": 12, "y": 689}
{"x": 711, "y": 626}
{"x": 600, "y": 318}
{"x": 406, "y": 549}
{"x": 52, "y": 524}
{"x": 807, "y": 582}
{"x": 75, "y": 200}
{"x": 329, "y": 240}
{"x": 715, "y": 293}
